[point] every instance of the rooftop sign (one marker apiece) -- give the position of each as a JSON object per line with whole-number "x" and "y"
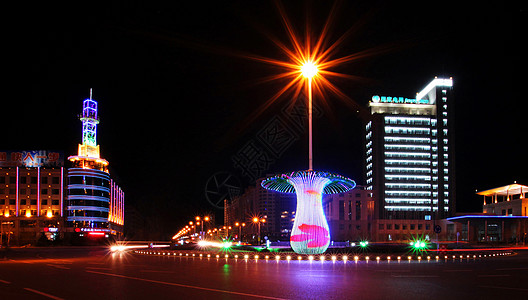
{"x": 398, "y": 100}
{"x": 32, "y": 158}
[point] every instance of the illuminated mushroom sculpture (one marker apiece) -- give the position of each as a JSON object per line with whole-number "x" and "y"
{"x": 310, "y": 233}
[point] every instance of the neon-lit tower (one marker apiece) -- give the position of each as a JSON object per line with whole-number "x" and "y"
{"x": 90, "y": 121}
{"x": 89, "y": 156}
{"x": 95, "y": 201}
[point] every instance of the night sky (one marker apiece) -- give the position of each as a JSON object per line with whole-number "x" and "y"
{"x": 175, "y": 91}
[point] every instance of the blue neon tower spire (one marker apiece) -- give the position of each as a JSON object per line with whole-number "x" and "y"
{"x": 89, "y": 120}
{"x": 88, "y": 156}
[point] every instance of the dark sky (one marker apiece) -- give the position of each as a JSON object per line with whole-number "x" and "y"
{"x": 175, "y": 93}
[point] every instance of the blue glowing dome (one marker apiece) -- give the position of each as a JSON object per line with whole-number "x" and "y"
{"x": 283, "y": 182}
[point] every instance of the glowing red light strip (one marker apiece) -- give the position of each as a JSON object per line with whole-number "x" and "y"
{"x": 61, "y": 191}
{"x": 96, "y": 233}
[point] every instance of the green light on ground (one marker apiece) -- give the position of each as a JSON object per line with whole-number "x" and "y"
{"x": 419, "y": 245}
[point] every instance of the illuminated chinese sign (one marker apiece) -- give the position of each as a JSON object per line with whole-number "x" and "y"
{"x": 33, "y": 158}
{"x": 94, "y": 229}
{"x": 398, "y": 100}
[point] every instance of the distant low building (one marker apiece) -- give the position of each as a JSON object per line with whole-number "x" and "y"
{"x": 504, "y": 217}
{"x": 350, "y": 215}
{"x": 509, "y": 200}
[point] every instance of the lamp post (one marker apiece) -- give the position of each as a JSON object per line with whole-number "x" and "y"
{"x": 240, "y": 225}
{"x": 310, "y": 233}
{"x": 257, "y": 221}
{"x": 203, "y": 219}
{"x": 191, "y": 223}
{"x": 307, "y": 66}
{"x": 309, "y": 70}
{"x": 226, "y": 228}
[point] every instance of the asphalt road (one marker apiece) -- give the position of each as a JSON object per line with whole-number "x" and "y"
{"x": 94, "y": 273}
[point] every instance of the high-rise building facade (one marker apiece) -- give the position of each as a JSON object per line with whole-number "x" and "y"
{"x": 409, "y": 161}
{"x": 95, "y": 201}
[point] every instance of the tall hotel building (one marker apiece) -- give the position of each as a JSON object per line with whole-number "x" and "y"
{"x": 410, "y": 154}
{"x": 95, "y": 205}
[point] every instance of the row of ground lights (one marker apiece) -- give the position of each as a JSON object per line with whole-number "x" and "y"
{"x": 321, "y": 257}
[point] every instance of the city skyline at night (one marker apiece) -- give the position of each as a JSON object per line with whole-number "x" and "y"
{"x": 171, "y": 91}
{"x": 280, "y": 149}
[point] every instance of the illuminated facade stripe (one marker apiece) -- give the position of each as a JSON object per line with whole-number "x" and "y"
{"x": 38, "y": 192}
{"x": 62, "y": 192}
{"x": 16, "y": 197}
{"x": 401, "y": 200}
{"x": 408, "y": 208}
{"x": 91, "y": 220}
{"x": 94, "y": 208}
{"x": 406, "y": 139}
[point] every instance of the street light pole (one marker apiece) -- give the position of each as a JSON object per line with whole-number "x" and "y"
{"x": 258, "y": 221}
{"x": 310, "y": 143}
{"x": 309, "y": 70}
{"x": 200, "y": 221}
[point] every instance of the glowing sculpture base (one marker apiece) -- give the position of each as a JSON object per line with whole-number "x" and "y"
{"x": 310, "y": 233}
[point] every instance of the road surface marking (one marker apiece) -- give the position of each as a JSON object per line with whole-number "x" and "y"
{"x": 186, "y": 286}
{"x": 21, "y": 261}
{"x": 156, "y": 271}
{"x": 502, "y": 287}
{"x": 5, "y": 281}
{"x": 43, "y": 294}
{"x": 96, "y": 268}
{"x": 509, "y": 269}
{"x": 63, "y": 262}
{"x": 504, "y": 275}
{"x": 414, "y": 276}
{"x": 58, "y": 266}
